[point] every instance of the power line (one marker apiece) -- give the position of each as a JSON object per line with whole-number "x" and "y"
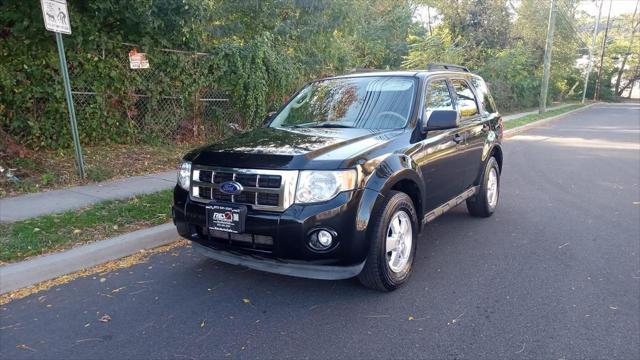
{"x": 562, "y": 13}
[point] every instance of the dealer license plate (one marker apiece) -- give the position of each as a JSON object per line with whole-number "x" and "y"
{"x": 229, "y": 218}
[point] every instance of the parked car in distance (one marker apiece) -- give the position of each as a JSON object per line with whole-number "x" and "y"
{"x": 341, "y": 180}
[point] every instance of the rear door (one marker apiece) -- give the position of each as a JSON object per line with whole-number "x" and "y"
{"x": 441, "y": 158}
{"x": 489, "y": 117}
{"x": 473, "y": 127}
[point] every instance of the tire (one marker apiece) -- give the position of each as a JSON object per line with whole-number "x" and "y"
{"x": 483, "y": 204}
{"x": 378, "y": 272}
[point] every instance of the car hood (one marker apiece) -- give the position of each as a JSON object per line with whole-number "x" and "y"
{"x": 294, "y": 148}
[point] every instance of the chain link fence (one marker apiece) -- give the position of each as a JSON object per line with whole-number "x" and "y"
{"x": 170, "y": 101}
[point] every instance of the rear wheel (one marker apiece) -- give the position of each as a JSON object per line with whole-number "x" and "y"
{"x": 393, "y": 244}
{"x": 484, "y": 203}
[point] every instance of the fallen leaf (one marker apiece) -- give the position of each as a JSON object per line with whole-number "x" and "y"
{"x": 105, "y": 318}
{"x": 24, "y": 347}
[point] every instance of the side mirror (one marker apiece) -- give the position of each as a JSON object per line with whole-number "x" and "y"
{"x": 442, "y": 119}
{"x": 267, "y": 119}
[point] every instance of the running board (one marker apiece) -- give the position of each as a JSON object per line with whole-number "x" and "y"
{"x": 449, "y": 205}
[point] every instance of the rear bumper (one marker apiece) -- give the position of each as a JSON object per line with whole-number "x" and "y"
{"x": 322, "y": 272}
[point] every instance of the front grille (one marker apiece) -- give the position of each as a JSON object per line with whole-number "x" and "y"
{"x": 269, "y": 181}
{"x": 221, "y": 177}
{"x": 268, "y": 199}
{"x": 262, "y": 189}
{"x": 247, "y": 241}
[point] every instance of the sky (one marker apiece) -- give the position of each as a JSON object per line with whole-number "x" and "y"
{"x": 618, "y": 7}
{"x": 590, "y": 6}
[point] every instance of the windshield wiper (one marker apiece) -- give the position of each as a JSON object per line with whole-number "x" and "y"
{"x": 323, "y": 125}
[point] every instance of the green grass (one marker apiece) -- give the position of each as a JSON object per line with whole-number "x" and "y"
{"x": 535, "y": 117}
{"x": 52, "y": 232}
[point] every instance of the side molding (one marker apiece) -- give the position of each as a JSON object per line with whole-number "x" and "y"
{"x": 449, "y": 204}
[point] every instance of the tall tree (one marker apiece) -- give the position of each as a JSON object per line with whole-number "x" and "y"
{"x": 635, "y": 25}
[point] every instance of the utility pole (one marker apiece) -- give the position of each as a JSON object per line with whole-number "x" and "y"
{"x": 596, "y": 93}
{"x": 429, "y": 19}
{"x": 591, "y": 49}
{"x": 547, "y": 58}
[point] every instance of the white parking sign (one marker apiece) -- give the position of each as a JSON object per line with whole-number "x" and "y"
{"x": 56, "y": 16}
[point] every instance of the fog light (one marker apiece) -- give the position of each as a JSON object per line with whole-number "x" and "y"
{"x": 324, "y": 238}
{"x": 321, "y": 240}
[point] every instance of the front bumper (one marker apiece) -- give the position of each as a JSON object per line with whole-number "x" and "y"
{"x": 289, "y": 253}
{"x": 321, "y": 272}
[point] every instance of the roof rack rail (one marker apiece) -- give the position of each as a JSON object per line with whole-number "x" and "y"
{"x": 440, "y": 66}
{"x": 361, "y": 70}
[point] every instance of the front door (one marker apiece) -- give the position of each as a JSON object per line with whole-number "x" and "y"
{"x": 441, "y": 156}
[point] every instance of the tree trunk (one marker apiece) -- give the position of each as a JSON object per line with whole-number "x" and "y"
{"x": 634, "y": 25}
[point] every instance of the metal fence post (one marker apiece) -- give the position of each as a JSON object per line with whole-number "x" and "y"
{"x": 72, "y": 111}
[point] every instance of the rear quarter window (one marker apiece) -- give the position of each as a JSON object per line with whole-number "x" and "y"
{"x": 465, "y": 99}
{"x": 484, "y": 96}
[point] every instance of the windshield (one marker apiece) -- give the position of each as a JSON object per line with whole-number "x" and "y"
{"x": 376, "y": 102}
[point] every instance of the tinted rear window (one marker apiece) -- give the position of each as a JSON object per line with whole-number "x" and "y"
{"x": 484, "y": 96}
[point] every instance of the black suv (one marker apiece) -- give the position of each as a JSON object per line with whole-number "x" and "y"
{"x": 340, "y": 181}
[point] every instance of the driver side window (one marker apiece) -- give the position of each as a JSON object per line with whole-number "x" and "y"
{"x": 438, "y": 97}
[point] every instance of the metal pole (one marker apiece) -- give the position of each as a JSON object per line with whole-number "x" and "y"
{"x": 596, "y": 93}
{"x": 429, "y": 19}
{"x": 593, "y": 45}
{"x": 547, "y": 58}
{"x": 70, "y": 108}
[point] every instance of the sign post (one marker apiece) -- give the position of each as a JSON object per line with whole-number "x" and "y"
{"x": 56, "y": 19}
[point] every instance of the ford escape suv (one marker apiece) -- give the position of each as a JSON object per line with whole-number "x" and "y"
{"x": 340, "y": 181}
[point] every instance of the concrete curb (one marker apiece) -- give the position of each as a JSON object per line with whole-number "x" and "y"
{"x": 46, "y": 267}
{"x": 525, "y": 127}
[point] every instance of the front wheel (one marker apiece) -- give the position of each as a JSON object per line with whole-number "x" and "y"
{"x": 393, "y": 244}
{"x": 484, "y": 203}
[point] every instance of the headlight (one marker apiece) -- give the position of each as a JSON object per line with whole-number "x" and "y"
{"x": 316, "y": 185}
{"x": 184, "y": 175}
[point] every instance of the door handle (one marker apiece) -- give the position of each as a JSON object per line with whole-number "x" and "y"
{"x": 457, "y": 138}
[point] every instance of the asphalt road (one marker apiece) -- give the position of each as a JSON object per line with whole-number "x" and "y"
{"x": 554, "y": 274}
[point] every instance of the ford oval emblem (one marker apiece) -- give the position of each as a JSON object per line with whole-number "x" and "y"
{"x": 231, "y": 187}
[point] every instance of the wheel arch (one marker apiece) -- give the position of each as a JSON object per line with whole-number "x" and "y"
{"x": 496, "y": 152}
{"x": 398, "y": 173}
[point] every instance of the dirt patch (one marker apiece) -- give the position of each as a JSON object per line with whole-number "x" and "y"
{"x": 44, "y": 170}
